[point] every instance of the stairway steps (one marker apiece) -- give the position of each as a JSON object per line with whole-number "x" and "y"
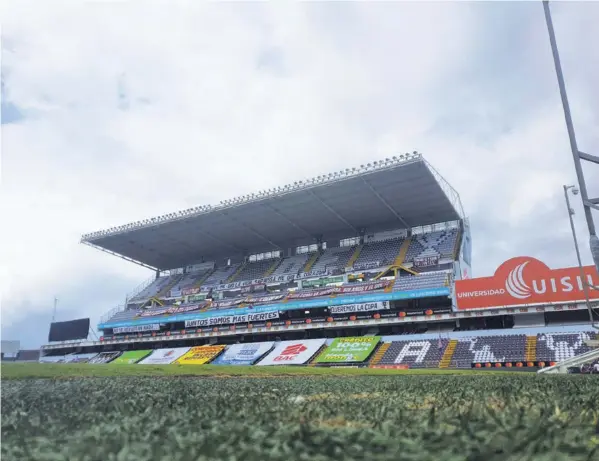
{"x": 379, "y": 353}
{"x": 448, "y": 354}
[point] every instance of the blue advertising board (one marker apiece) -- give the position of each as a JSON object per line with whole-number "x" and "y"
{"x": 288, "y": 306}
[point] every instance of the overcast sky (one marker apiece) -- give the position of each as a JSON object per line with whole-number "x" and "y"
{"x": 116, "y": 111}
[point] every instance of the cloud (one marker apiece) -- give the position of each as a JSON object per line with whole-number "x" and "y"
{"x": 127, "y": 112}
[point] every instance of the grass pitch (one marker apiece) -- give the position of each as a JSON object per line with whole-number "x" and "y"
{"x": 313, "y": 415}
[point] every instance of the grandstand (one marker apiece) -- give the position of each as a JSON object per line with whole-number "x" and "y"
{"x": 375, "y": 251}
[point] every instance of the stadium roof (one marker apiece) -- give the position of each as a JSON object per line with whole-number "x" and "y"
{"x": 398, "y": 193}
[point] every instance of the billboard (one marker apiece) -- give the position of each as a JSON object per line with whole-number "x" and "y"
{"x": 68, "y": 331}
{"x": 104, "y": 357}
{"x": 200, "y": 355}
{"x": 524, "y": 280}
{"x": 244, "y": 354}
{"x": 164, "y": 356}
{"x": 349, "y": 349}
{"x": 293, "y": 352}
{"x": 130, "y": 357}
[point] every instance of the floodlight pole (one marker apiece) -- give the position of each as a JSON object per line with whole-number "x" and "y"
{"x": 577, "y": 155}
{"x": 582, "y": 277}
{"x": 54, "y": 309}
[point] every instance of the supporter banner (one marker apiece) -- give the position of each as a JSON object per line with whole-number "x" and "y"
{"x": 130, "y": 357}
{"x": 137, "y": 328}
{"x": 364, "y": 287}
{"x": 311, "y": 294}
{"x": 199, "y": 267}
{"x": 253, "y": 288}
{"x": 318, "y": 273}
{"x": 321, "y": 282}
{"x": 175, "y": 294}
{"x": 190, "y": 291}
{"x": 232, "y": 319}
{"x": 164, "y": 356}
{"x": 104, "y": 357}
{"x": 426, "y": 261}
{"x": 293, "y": 352}
{"x": 227, "y": 303}
{"x": 244, "y": 283}
{"x": 153, "y": 312}
{"x": 362, "y": 307}
{"x": 244, "y": 354}
{"x": 524, "y": 280}
{"x": 349, "y": 349}
{"x": 366, "y": 265}
{"x": 200, "y": 355}
{"x": 293, "y": 305}
{"x": 189, "y": 308}
{"x": 264, "y": 299}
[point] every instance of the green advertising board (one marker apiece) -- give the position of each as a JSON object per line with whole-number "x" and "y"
{"x": 131, "y": 357}
{"x": 349, "y": 349}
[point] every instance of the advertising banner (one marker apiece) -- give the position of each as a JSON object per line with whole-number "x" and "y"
{"x": 293, "y": 352}
{"x": 190, "y": 291}
{"x": 129, "y": 357}
{"x": 362, "y": 307}
{"x": 197, "y": 298}
{"x": 244, "y": 354}
{"x": 137, "y": 328}
{"x": 200, "y": 355}
{"x": 349, "y": 349}
{"x": 231, "y": 319}
{"x": 426, "y": 261}
{"x": 104, "y": 357}
{"x": 524, "y": 280}
{"x": 164, "y": 356}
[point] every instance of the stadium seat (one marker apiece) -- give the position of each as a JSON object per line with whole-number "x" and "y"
{"x": 424, "y": 353}
{"x": 489, "y": 349}
{"x": 384, "y": 252}
{"x": 555, "y": 347}
{"x": 421, "y": 281}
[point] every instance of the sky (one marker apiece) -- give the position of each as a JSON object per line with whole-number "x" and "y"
{"x": 118, "y": 111}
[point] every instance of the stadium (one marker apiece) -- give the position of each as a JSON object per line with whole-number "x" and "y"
{"x": 367, "y": 267}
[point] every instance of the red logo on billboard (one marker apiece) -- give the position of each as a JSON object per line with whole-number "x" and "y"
{"x": 290, "y": 352}
{"x": 525, "y": 280}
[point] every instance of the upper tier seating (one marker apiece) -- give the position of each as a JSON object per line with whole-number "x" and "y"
{"x": 220, "y": 275}
{"x": 384, "y": 251}
{"x": 483, "y": 349}
{"x": 292, "y": 265}
{"x": 154, "y": 288}
{"x": 189, "y": 280}
{"x": 439, "y": 243}
{"x": 422, "y": 281}
{"x": 555, "y": 347}
{"x": 255, "y": 270}
{"x": 333, "y": 258}
{"x": 415, "y": 353}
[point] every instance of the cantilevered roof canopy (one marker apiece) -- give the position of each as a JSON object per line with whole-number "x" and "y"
{"x": 396, "y": 193}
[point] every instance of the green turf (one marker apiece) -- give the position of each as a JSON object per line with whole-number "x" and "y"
{"x": 66, "y": 370}
{"x": 486, "y": 417}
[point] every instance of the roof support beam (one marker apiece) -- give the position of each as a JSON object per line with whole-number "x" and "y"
{"x": 278, "y": 213}
{"x": 253, "y": 231}
{"x": 337, "y": 215}
{"x": 384, "y": 202}
{"x": 119, "y": 255}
